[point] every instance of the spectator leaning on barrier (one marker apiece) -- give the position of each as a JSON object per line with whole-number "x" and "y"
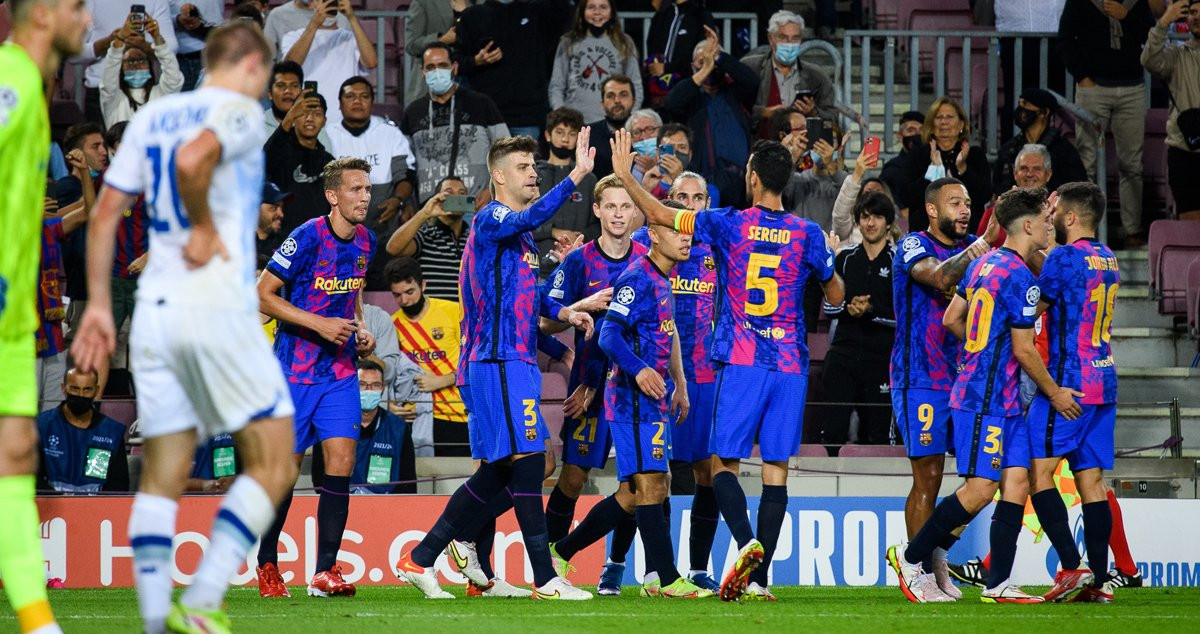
{"x": 713, "y": 103}
{"x": 1101, "y": 45}
{"x": 1179, "y": 66}
{"x": 856, "y": 368}
{"x": 192, "y": 20}
{"x": 109, "y": 21}
{"x": 130, "y": 79}
{"x": 451, "y": 128}
{"x": 1033, "y": 116}
{"x": 503, "y": 48}
{"x": 295, "y": 161}
{"x": 783, "y": 80}
{"x": 82, "y": 450}
{"x": 329, "y": 52}
{"x": 575, "y": 217}
{"x": 436, "y": 238}
{"x": 288, "y": 101}
{"x": 428, "y": 21}
{"x": 594, "y": 48}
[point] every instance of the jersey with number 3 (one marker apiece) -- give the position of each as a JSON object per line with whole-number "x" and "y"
{"x": 764, "y": 260}
{"x": 1001, "y": 294}
{"x": 146, "y": 164}
{"x": 1080, "y": 281}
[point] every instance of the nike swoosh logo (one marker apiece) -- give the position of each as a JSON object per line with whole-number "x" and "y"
{"x": 548, "y": 596}
{"x": 663, "y": 303}
{"x": 411, "y": 567}
{"x": 459, "y": 560}
{"x": 591, "y": 284}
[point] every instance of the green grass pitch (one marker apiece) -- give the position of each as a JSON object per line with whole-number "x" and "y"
{"x": 395, "y": 609}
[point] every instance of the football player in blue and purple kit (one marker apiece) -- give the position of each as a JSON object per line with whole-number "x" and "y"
{"x": 1079, "y": 282}
{"x": 321, "y": 268}
{"x": 764, "y": 258}
{"x": 928, "y": 266}
{"x": 509, "y": 434}
{"x": 993, "y": 312}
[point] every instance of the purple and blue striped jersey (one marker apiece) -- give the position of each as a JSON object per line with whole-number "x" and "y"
{"x": 133, "y": 238}
{"x": 1080, "y": 282}
{"x": 694, "y": 283}
{"x": 642, "y": 317}
{"x": 925, "y": 353}
{"x": 1001, "y": 294}
{"x": 50, "y": 287}
{"x": 324, "y": 275}
{"x": 503, "y": 277}
{"x": 470, "y": 308}
{"x": 764, "y": 259}
{"x": 586, "y": 271}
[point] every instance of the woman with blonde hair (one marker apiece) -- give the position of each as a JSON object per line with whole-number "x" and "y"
{"x": 592, "y": 50}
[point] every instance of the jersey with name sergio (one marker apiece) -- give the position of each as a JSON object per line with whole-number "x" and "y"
{"x": 145, "y": 164}
{"x": 1080, "y": 281}
{"x": 694, "y": 283}
{"x": 764, "y": 259}
{"x": 586, "y": 271}
{"x": 322, "y": 274}
{"x": 643, "y": 312}
{"x": 503, "y": 276}
{"x": 1001, "y": 294}
{"x": 925, "y": 353}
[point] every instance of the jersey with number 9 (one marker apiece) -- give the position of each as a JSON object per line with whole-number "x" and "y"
{"x": 1080, "y": 282}
{"x": 764, "y": 261}
{"x": 1001, "y": 294}
{"x": 146, "y": 163}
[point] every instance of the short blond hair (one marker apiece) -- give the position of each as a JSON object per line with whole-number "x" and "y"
{"x": 612, "y": 181}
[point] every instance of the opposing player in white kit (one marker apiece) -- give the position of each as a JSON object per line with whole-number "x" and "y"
{"x": 201, "y": 362}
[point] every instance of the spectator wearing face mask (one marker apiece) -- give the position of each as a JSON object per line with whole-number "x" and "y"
{"x": 896, "y": 169}
{"x": 783, "y": 79}
{"x": 593, "y": 48}
{"x": 674, "y": 154}
{"x": 1034, "y": 116}
{"x": 575, "y": 217}
{"x": 130, "y": 80}
{"x": 82, "y": 450}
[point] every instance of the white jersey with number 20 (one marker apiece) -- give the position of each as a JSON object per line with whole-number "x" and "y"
{"x": 146, "y": 164}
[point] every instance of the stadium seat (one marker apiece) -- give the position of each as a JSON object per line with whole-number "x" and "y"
{"x": 812, "y": 451}
{"x": 925, "y": 20}
{"x": 1193, "y": 297}
{"x": 1173, "y": 246}
{"x": 121, "y": 410}
{"x": 382, "y": 299}
{"x": 871, "y": 451}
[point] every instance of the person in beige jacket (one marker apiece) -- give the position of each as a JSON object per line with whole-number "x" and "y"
{"x": 1179, "y": 66}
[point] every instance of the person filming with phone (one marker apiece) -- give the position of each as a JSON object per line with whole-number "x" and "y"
{"x": 783, "y": 80}
{"x": 436, "y": 236}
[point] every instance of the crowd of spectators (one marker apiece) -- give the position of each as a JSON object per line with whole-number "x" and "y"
{"x": 477, "y": 71}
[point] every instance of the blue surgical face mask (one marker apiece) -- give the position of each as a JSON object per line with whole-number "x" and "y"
{"x": 137, "y": 78}
{"x": 94, "y": 173}
{"x": 439, "y": 80}
{"x": 646, "y": 147}
{"x": 369, "y": 399}
{"x": 787, "y": 53}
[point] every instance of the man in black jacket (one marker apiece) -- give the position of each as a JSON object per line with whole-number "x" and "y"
{"x": 1033, "y": 114}
{"x": 908, "y": 133}
{"x": 856, "y": 368}
{"x": 295, "y": 160}
{"x": 505, "y": 49}
{"x": 1101, "y": 45}
{"x": 675, "y": 30}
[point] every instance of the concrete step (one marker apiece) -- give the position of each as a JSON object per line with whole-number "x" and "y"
{"x": 1142, "y": 426}
{"x": 1135, "y": 266}
{"x": 1135, "y": 308}
{"x": 1151, "y": 385}
{"x": 1151, "y": 347}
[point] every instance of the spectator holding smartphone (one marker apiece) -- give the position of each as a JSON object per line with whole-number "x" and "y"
{"x": 329, "y": 52}
{"x": 130, "y": 80}
{"x": 783, "y": 80}
{"x": 289, "y": 100}
{"x": 192, "y": 21}
{"x": 109, "y": 19}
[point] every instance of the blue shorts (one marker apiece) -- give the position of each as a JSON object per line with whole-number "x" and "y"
{"x": 587, "y": 441}
{"x": 923, "y": 417}
{"x": 325, "y": 410}
{"x": 690, "y": 437}
{"x": 642, "y": 447}
{"x": 1086, "y": 442}
{"x": 751, "y": 401}
{"x": 984, "y": 445}
{"x": 472, "y": 429}
{"x": 506, "y": 418}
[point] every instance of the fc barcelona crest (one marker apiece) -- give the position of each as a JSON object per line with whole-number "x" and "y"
{"x": 361, "y": 263}
{"x": 926, "y": 439}
{"x": 657, "y": 453}
{"x": 531, "y": 433}
{"x": 709, "y": 263}
{"x": 996, "y": 462}
{"x": 583, "y": 449}
{"x": 438, "y": 333}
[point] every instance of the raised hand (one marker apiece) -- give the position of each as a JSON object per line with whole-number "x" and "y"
{"x": 622, "y": 153}
{"x": 585, "y": 154}
{"x": 489, "y": 54}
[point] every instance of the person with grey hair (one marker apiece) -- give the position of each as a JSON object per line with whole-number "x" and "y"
{"x": 783, "y": 80}
{"x": 1034, "y": 116}
{"x": 643, "y": 126}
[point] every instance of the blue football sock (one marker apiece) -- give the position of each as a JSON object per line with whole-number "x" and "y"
{"x": 1097, "y": 529}
{"x": 268, "y": 544}
{"x": 467, "y": 503}
{"x": 732, "y": 502}
{"x": 560, "y": 512}
{"x": 622, "y": 537}
{"x": 772, "y": 506}
{"x": 657, "y": 542}
{"x": 704, "y": 526}
{"x": 947, "y": 516}
{"x": 1052, "y": 514}
{"x": 527, "y": 476}
{"x": 599, "y": 521}
{"x": 1006, "y": 527}
{"x": 333, "y": 508}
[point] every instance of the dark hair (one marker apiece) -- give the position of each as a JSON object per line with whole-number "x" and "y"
{"x": 1085, "y": 199}
{"x": 934, "y": 189}
{"x": 320, "y": 101}
{"x": 357, "y": 79}
{"x": 620, "y": 79}
{"x": 670, "y": 129}
{"x": 114, "y": 135}
{"x": 152, "y": 65}
{"x": 1016, "y": 204}
{"x": 579, "y": 30}
{"x": 287, "y": 67}
{"x": 436, "y": 45}
{"x": 569, "y": 117}
{"x": 781, "y": 123}
{"x": 403, "y": 269}
{"x": 232, "y": 42}
{"x": 875, "y": 179}
{"x": 451, "y": 177}
{"x": 369, "y": 364}
{"x": 510, "y": 145}
{"x": 75, "y": 134}
{"x": 875, "y": 204}
{"x": 331, "y": 175}
{"x": 247, "y": 11}
{"x": 773, "y": 164}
